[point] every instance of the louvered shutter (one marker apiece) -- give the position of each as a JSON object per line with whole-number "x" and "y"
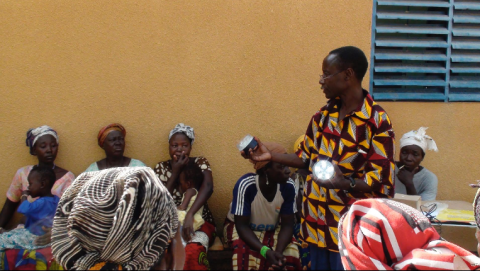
{"x": 425, "y": 50}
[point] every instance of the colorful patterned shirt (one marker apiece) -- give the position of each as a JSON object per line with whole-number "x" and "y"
{"x": 20, "y": 183}
{"x": 363, "y": 147}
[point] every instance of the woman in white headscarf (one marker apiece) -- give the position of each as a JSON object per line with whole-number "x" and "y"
{"x": 43, "y": 143}
{"x": 180, "y": 142}
{"x": 412, "y": 178}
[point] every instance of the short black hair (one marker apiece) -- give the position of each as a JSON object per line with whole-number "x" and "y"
{"x": 193, "y": 173}
{"x": 46, "y": 173}
{"x": 265, "y": 167}
{"x": 352, "y": 57}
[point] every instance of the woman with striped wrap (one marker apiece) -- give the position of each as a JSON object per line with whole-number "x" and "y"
{"x": 120, "y": 218}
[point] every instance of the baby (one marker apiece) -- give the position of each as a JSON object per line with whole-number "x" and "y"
{"x": 38, "y": 213}
{"x": 190, "y": 179}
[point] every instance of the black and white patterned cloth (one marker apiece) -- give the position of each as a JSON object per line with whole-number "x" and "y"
{"x": 476, "y": 208}
{"x": 121, "y": 215}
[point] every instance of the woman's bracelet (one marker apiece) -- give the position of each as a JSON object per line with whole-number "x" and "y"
{"x": 264, "y": 250}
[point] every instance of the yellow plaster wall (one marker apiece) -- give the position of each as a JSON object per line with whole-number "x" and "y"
{"x": 227, "y": 68}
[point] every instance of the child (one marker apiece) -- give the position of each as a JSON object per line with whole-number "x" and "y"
{"x": 190, "y": 179}
{"x": 38, "y": 213}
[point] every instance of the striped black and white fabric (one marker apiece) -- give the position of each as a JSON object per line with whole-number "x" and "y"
{"x": 122, "y": 215}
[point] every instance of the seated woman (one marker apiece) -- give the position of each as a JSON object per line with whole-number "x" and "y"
{"x": 413, "y": 179}
{"x": 114, "y": 219}
{"x": 260, "y": 202}
{"x": 43, "y": 143}
{"x": 111, "y": 139}
{"x": 380, "y": 234}
{"x": 38, "y": 213}
{"x": 180, "y": 140}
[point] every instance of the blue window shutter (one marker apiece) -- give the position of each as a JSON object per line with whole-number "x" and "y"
{"x": 426, "y": 50}
{"x": 464, "y": 81}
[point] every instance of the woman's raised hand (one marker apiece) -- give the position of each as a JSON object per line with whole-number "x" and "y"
{"x": 337, "y": 182}
{"x": 179, "y": 162}
{"x": 259, "y": 153}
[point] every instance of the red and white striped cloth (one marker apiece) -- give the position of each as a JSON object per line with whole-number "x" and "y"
{"x": 378, "y": 234}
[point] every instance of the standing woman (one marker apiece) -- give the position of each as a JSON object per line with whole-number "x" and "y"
{"x": 43, "y": 143}
{"x": 180, "y": 140}
{"x": 111, "y": 139}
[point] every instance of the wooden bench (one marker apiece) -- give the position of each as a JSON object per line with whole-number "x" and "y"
{"x": 219, "y": 257}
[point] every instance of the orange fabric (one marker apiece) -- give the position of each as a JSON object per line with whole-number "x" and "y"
{"x": 196, "y": 253}
{"x": 106, "y": 266}
{"x": 102, "y": 134}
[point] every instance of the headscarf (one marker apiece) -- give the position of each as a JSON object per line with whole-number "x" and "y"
{"x": 384, "y": 234}
{"x": 418, "y": 138}
{"x": 123, "y": 216}
{"x": 182, "y": 128}
{"x": 297, "y": 145}
{"x": 103, "y": 133}
{"x": 35, "y": 133}
{"x": 272, "y": 147}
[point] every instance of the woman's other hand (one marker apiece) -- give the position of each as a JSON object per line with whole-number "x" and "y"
{"x": 188, "y": 231}
{"x": 276, "y": 259}
{"x": 178, "y": 163}
{"x": 259, "y": 153}
{"x": 337, "y": 182}
{"x": 45, "y": 239}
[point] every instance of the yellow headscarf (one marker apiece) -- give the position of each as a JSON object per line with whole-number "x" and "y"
{"x": 298, "y": 142}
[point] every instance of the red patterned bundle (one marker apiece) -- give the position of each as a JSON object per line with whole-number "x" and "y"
{"x": 384, "y": 234}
